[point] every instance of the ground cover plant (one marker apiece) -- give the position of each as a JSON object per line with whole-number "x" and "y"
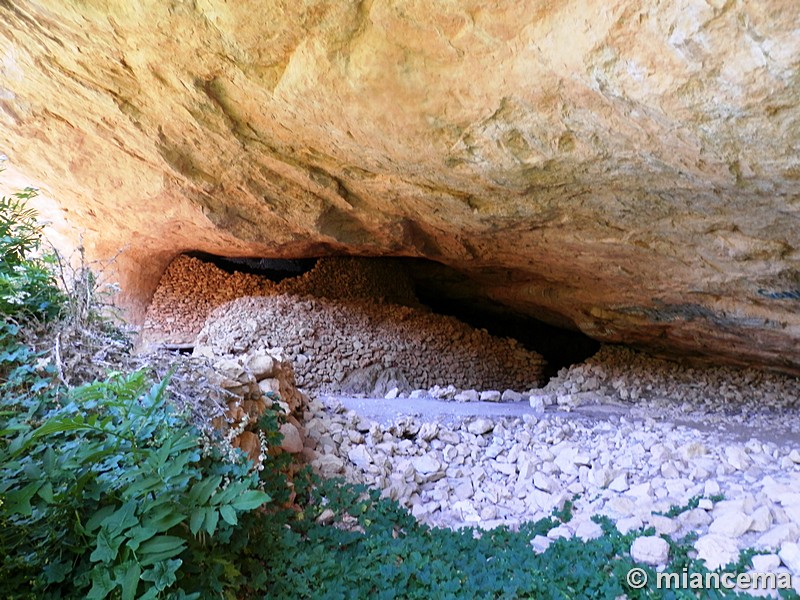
{"x": 108, "y": 491}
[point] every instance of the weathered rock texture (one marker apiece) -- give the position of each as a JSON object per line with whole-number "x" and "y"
{"x": 627, "y": 169}
{"x": 254, "y": 382}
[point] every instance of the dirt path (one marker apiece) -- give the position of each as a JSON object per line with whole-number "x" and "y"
{"x": 385, "y": 412}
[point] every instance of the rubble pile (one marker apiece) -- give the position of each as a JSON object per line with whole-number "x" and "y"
{"x": 191, "y": 288}
{"x": 188, "y": 291}
{"x": 253, "y": 382}
{"x": 359, "y": 344}
{"x": 713, "y": 395}
{"x": 707, "y": 452}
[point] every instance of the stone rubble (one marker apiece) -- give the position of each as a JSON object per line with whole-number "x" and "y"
{"x": 718, "y": 397}
{"x": 348, "y": 325}
{"x": 360, "y": 346}
{"x": 633, "y": 468}
{"x": 724, "y": 439}
{"x": 191, "y": 288}
{"x": 249, "y": 380}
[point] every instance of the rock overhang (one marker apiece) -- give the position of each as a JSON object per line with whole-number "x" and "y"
{"x": 626, "y": 170}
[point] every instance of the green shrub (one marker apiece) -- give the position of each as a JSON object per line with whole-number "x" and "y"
{"x": 111, "y": 493}
{"x": 105, "y": 491}
{"x": 27, "y": 287}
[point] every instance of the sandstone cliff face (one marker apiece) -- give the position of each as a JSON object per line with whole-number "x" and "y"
{"x": 630, "y": 169}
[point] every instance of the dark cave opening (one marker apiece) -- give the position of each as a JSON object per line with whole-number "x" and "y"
{"x": 447, "y": 291}
{"x": 274, "y": 269}
{"x": 560, "y": 347}
{"x": 443, "y": 290}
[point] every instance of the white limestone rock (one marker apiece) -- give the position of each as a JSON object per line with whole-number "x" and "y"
{"x": 777, "y": 535}
{"x": 490, "y": 396}
{"x": 511, "y": 396}
{"x": 588, "y": 530}
{"x": 480, "y": 426}
{"x": 765, "y": 563}
{"x": 650, "y": 550}
{"x": 790, "y": 556}
{"x": 716, "y": 550}
{"x": 466, "y": 396}
{"x": 537, "y": 404}
{"x": 731, "y": 524}
{"x": 426, "y": 464}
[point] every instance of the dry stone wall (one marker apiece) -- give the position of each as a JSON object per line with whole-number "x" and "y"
{"x": 253, "y": 382}
{"x": 191, "y": 288}
{"x": 328, "y": 340}
{"x": 362, "y": 330}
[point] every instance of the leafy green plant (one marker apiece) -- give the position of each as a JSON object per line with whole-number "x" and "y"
{"x": 118, "y": 507}
{"x": 26, "y": 283}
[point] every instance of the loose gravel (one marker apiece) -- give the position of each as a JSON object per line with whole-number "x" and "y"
{"x": 623, "y": 434}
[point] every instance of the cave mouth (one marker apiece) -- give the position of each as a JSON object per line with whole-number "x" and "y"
{"x": 439, "y": 288}
{"x": 560, "y": 347}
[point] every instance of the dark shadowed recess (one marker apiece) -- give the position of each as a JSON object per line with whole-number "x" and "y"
{"x": 446, "y": 291}
{"x": 274, "y": 269}
{"x": 449, "y": 292}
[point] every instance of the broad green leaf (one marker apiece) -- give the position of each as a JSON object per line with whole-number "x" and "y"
{"x": 60, "y": 426}
{"x": 57, "y": 571}
{"x": 162, "y": 455}
{"x": 250, "y": 500}
{"x": 32, "y": 470}
{"x": 144, "y": 485}
{"x": 137, "y": 535}
{"x": 46, "y": 492}
{"x": 196, "y": 521}
{"x": 98, "y": 517}
{"x": 150, "y": 594}
{"x": 163, "y": 573}
{"x": 49, "y": 460}
{"x": 187, "y": 441}
{"x": 131, "y": 581}
{"x": 225, "y": 496}
{"x": 228, "y": 514}
{"x": 164, "y": 519}
{"x": 107, "y": 546}
{"x": 202, "y": 491}
{"x": 212, "y": 518}
{"x": 159, "y": 548}
{"x": 101, "y": 584}
{"x": 121, "y": 519}
{"x": 19, "y": 501}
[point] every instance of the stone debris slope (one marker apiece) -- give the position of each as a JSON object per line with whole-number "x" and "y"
{"x": 721, "y": 397}
{"x": 645, "y": 457}
{"x": 329, "y": 340}
{"x": 191, "y": 288}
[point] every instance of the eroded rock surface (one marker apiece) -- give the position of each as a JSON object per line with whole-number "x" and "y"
{"x": 629, "y": 170}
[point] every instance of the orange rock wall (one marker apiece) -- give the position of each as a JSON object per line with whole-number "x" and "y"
{"x": 629, "y": 169}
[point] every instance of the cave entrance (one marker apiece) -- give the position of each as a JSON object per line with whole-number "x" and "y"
{"x": 197, "y": 282}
